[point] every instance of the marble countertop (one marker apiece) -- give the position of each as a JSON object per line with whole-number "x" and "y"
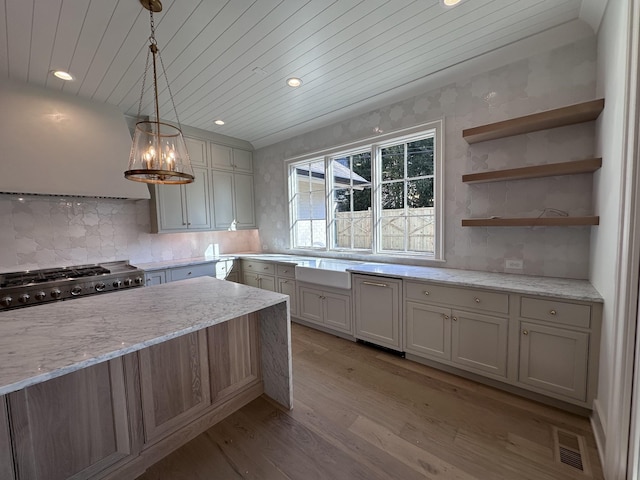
{"x": 566, "y": 288}
{"x": 46, "y": 341}
{"x": 183, "y": 262}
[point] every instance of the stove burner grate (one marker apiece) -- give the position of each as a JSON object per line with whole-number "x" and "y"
{"x": 47, "y": 275}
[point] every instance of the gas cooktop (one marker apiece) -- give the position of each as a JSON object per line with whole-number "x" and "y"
{"x": 32, "y": 287}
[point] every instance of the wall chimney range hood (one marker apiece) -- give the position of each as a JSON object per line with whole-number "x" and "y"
{"x": 54, "y": 143}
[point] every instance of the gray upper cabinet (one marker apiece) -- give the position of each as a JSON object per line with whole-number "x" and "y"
{"x": 233, "y": 201}
{"x": 182, "y": 207}
{"x": 197, "y": 151}
{"x": 233, "y": 159}
{"x": 220, "y": 198}
{"x": 221, "y": 156}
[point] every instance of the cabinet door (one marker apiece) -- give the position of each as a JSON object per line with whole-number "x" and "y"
{"x": 288, "y": 287}
{"x": 75, "y": 425}
{"x": 6, "y": 457}
{"x": 197, "y": 198}
{"x": 233, "y": 276}
{"x": 267, "y": 282}
{"x": 234, "y": 358}
{"x": 310, "y": 306}
{"x": 244, "y": 202}
{"x": 251, "y": 279}
{"x": 222, "y": 186}
{"x": 221, "y": 156}
{"x": 197, "y": 151}
{"x": 377, "y": 311}
{"x": 242, "y": 161}
{"x": 336, "y": 311}
{"x": 428, "y": 331}
{"x": 554, "y": 359}
{"x": 479, "y": 342}
{"x": 156, "y": 277}
{"x": 171, "y": 207}
{"x": 174, "y": 382}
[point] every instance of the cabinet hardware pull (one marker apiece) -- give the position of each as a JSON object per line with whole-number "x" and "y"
{"x": 266, "y": 268}
{"x": 374, "y": 284}
{"x": 286, "y": 281}
{"x": 455, "y": 319}
{"x": 476, "y": 299}
{"x": 426, "y": 292}
{"x": 525, "y": 332}
{"x": 446, "y": 317}
{"x": 552, "y": 312}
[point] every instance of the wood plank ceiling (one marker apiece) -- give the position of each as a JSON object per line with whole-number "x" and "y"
{"x": 229, "y": 59}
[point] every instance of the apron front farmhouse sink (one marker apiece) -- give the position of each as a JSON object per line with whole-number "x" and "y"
{"x": 330, "y": 273}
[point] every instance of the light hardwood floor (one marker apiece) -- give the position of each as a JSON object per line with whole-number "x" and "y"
{"x": 360, "y": 413}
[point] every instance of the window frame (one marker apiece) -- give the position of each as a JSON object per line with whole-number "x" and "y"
{"x": 373, "y": 145}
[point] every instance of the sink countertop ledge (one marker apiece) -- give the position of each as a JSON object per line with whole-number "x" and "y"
{"x": 566, "y": 288}
{"x": 46, "y": 341}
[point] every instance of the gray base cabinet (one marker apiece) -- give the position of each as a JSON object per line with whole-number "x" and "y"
{"x": 378, "y": 310}
{"x": 545, "y": 345}
{"x": 221, "y": 269}
{"x": 326, "y": 307}
{"x": 479, "y": 342}
{"x": 437, "y": 328}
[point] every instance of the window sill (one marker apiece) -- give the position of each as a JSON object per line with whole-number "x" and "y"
{"x": 410, "y": 259}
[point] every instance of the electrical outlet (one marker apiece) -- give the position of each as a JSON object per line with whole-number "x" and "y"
{"x": 512, "y": 264}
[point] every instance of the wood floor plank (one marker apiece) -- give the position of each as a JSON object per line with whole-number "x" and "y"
{"x": 420, "y": 460}
{"x": 360, "y": 413}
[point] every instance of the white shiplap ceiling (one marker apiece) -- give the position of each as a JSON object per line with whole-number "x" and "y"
{"x": 351, "y": 54}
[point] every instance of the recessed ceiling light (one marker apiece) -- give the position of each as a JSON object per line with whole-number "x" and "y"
{"x": 219, "y": 122}
{"x": 450, "y": 3}
{"x": 294, "y": 82}
{"x": 63, "y": 75}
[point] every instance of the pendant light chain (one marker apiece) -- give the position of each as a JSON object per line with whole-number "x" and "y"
{"x": 159, "y": 153}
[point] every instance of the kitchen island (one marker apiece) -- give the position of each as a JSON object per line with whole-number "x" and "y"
{"x": 104, "y": 386}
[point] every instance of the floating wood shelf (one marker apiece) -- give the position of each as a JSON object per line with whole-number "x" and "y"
{"x": 530, "y": 222}
{"x": 559, "y": 117}
{"x": 566, "y": 168}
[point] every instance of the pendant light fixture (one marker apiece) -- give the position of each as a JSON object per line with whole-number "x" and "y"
{"x": 159, "y": 153}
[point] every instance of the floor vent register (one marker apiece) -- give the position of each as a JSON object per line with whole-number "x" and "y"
{"x": 570, "y": 449}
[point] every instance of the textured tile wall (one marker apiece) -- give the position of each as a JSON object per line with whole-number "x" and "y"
{"x": 557, "y": 78}
{"x": 41, "y": 232}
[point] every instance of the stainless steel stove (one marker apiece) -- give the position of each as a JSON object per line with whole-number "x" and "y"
{"x": 33, "y": 287}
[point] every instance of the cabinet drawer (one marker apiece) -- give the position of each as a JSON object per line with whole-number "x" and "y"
{"x": 286, "y": 271}
{"x": 556, "y": 311}
{"x": 258, "y": 267}
{"x": 458, "y": 297}
{"x": 223, "y": 268}
{"x": 182, "y": 273}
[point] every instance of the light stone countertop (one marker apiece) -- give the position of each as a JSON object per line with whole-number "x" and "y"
{"x": 46, "y": 341}
{"x": 184, "y": 262}
{"x": 566, "y": 288}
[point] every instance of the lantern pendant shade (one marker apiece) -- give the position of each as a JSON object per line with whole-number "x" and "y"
{"x": 159, "y": 155}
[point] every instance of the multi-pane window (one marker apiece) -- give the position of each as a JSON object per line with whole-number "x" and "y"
{"x": 309, "y": 219}
{"x": 407, "y": 197}
{"x": 379, "y": 198}
{"x": 351, "y": 195}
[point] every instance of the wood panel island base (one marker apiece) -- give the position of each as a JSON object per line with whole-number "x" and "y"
{"x": 105, "y": 386}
